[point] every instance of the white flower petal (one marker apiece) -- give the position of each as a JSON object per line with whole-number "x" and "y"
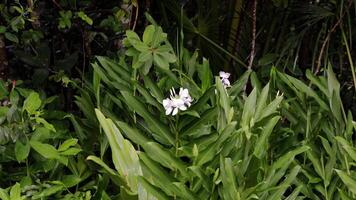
{"x": 183, "y": 107}
{"x": 184, "y": 92}
{"x": 166, "y": 102}
{"x": 169, "y": 110}
{"x": 224, "y": 75}
{"x": 175, "y": 111}
{"x": 226, "y": 82}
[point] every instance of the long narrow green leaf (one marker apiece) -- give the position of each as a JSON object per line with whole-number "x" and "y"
{"x": 156, "y": 126}
{"x": 348, "y": 180}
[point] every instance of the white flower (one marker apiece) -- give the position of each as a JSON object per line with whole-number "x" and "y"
{"x": 224, "y": 77}
{"x": 177, "y": 102}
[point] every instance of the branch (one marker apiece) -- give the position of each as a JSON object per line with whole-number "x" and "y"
{"x": 328, "y": 38}
{"x": 253, "y": 42}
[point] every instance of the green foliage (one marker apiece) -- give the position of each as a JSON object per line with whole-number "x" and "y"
{"x": 281, "y": 141}
{"x": 153, "y": 49}
{"x": 267, "y": 136}
{"x": 39, "y": 157}
{"x": 43, "y": 39}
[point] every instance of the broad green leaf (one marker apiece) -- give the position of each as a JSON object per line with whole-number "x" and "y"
{"x": 124, "y": 154}
{"x": 70, "y": 180}
{"x": 47, "y": 125}
{"x": 155, "y": 191}
{"x": 169, "y": 57}
{"x": 46, "y": 150}
{"x": 102, "y": 164}
{"x": 68, "y": 143}
{"x": 148, "y": 34}
{"x": 15, "y": 192}
{"x": 144, "y": 56}
{"x": 22, "y": 150}
{"x": 165, "y": 158}
{"x": 32, "y": 103}
{"x": 160, "y": 61}
{"x": 4, "y": 195}
{"x": 184, "y": 192}
{"x": 70, "y": 151}
{"x": 132, "y": 35}
{"x": 156, "y": 174}
{"x": 133, "y": 134}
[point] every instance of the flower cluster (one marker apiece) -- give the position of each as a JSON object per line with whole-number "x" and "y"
{"x": 177, "y": 102}
{"x": 224, "y": 77}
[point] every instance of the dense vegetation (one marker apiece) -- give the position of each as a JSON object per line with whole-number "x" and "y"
{"x": 200, "y": 99}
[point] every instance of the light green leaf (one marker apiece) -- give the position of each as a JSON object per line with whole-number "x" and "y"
{"x": 85, "y": 17}
{"x": 160, "y": 61}
{"x": 21, "y": 150}
{"x": 155, "y": 191}
{"x": 144, "y": 56}
{"x": 15, "y": 192}
{"x": 348, "y": 180}
{"x": 46, "y": 150}
{"x": 4, "y": 195}
{"x": 157, "y": 153}
{"x": 148, "y": 34}
{"x": 124, "y": 155}
{"x": 32, "y": 103}
{"x": 68, "y": 143}
{"x": 70, "y": 152}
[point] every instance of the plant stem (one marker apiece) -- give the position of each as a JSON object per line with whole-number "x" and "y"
{"x": 350, "y": 58}
{"x": 328, "y": 38}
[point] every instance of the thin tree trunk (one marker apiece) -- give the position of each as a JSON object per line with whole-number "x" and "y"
{"x": 253, "y": 42}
